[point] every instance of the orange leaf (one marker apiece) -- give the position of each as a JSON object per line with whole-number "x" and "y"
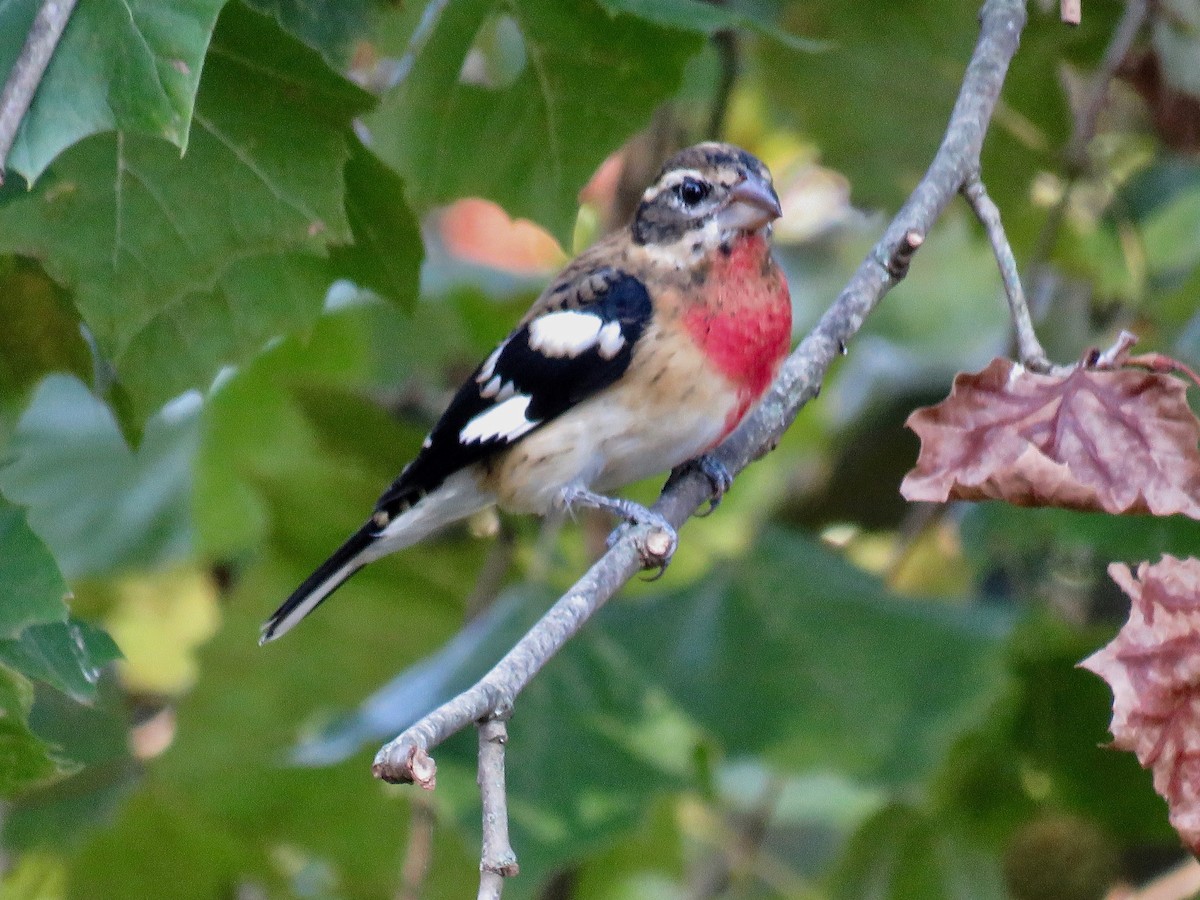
{"x": 1153, "y": 668}
{"x": 480, "y": 232}
{"x": 1121, "y": 441}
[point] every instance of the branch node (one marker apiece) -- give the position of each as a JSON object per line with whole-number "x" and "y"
{"x": 901, "y": 256}
{"x": 658, "y": 544}
{"x": 405, "y": 762}
{"x": 1114, "y": 356}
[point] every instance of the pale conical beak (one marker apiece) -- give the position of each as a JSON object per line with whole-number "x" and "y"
{"x": 751, "y": 205}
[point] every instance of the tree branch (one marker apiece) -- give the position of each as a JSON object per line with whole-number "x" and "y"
{"x": 1029, "y": 348}
{"x": 498, "y": 861}
{"x": 27, "y": 71}
{"x": 406, "y": 758}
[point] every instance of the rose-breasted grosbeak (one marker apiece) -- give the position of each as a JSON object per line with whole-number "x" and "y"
{"x": 644, "y": 353}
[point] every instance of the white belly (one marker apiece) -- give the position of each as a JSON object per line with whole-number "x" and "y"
{"x": 608, "y": 442}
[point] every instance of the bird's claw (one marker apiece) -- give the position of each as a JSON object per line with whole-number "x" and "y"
{"x": 718, "y": 475}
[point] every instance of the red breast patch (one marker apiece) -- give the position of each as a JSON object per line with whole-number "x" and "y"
{"x": 744, "y": 321}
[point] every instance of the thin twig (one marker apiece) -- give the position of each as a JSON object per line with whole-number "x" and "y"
{"x": 27, "y": 71}
{"x": 497, "y": 860}
{"x": 1118, "y": 48}
{"x": 1075, "y": 156}
{"x": 742, "y": 837}
{"x": 419, "y": 853}
{"x": 726, "y": 42}
{"x": 1029, "y": 348}
{"x": 491, "y": 576}
{"x": 406, "y": 759}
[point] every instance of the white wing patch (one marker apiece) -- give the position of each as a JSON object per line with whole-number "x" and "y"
{"x": 566, "y": 333}
{"x": 489, "y": 365}
{"x": 505, "y": 421}
{"x": 610, "y": 340}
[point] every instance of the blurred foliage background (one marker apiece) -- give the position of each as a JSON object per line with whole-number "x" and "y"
{"x": 246, "y": 251}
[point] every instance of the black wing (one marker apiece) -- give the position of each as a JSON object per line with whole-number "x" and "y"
{"x": 531, "y": 378}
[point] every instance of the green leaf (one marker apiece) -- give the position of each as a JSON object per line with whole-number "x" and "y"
{"x": 331, "y": 28}
{"x": 589, "y": 81}
{"x": 706, "y": 18}
{"x": 1171, "y": 235}
{"x": 40, "y": 334}
{"x": 181, "y": 266}
{"x": 67, "y": 656}
{"x": 32, "y": 590}
{"x": 997, "y": 533}
{"x": 219, "y": 802}
{"x": 877, "y": 689}
{"x": 128, "y": 66}
{"x": 387, "y": 250}
{"x": 903, "y": 853}
{"x": 93, "y": 739}
{"x": 99, "y": 506}
{"x": 254, "y": 434}
{"x": 923, "y": 670}
{"x": 855, "y": 99}
{"x": 24, "y": 758}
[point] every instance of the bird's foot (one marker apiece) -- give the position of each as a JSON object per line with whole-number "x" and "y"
{"x": 655, "y": 549}
{"x": 711, "y": 468}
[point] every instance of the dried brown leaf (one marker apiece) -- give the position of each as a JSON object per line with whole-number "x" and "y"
{"x": 1121, "y": 441}
{"x": 1153, "y": 668}
{"x": 1175, "y": 113}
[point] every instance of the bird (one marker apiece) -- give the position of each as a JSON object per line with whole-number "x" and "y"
{"x": 640, "y": 357}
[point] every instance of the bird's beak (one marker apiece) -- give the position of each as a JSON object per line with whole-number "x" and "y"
{"x": 751, "y": 205}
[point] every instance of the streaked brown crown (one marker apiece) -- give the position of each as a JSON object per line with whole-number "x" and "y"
{"x": 692, "y": 187}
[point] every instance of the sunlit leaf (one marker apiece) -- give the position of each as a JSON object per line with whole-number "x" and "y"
{"x": 128, "y": 66}
{"x": 179, "y": 266}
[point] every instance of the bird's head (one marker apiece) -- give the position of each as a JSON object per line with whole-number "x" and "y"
{"x": 705, "y": 197}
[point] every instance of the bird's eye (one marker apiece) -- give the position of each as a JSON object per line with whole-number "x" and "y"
{"x": 691, "y": 191}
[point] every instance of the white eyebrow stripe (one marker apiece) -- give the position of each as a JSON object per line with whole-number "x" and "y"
{"x": 669, "y": 181}
{"x": 566, "y": 333}
{"x": 506, "y": 421}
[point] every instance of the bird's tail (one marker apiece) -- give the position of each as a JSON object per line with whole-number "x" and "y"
{"x": 328, "y": 577}
{"x": 458, "y": 497}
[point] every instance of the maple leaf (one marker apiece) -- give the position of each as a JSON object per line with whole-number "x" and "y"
{"x": 1121, "y": 441}
{"x": 1153, "y": 668}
